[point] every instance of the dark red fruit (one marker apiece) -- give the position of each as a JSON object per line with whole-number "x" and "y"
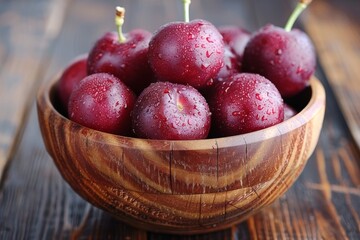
{"x": 171, "y": 111}
{"x": 285, "y": 58}
{"x": 127, "y": 61}
{"x": 70, "y": 78}
{"x": 187, "y": 53}
{"x": 245, "y": 103}
{"x": 230, "y": 67}
{"x": 236, "y": 38}
{"x": 102, "y": 102}
{"x": 289, "y": 111}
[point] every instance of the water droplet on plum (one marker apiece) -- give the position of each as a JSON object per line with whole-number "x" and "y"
{"x": 209, "y": 40}
{"x": 191, "y": 36}
{"x": 208, "y": 54}
{"x": 210, "y": 82}
{"x": 258, "y": 96}
{"x": 205, "y": 65}
{"x": 299, "y": 70}
{"x": 236, "y": 113}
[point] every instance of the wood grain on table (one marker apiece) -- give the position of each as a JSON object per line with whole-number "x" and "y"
{"x": 39, "y": 37}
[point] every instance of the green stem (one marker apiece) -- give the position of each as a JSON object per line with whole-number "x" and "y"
{"x": 300, "y": 7}
{"x": 119, "y": 21}
{"x": 186, "y": 10}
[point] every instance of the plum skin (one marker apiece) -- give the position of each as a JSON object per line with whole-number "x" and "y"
{"x": 102, "y": 102}
{"x": 171, "y": 111}
{"x": 235, "y": 38}
{"x": 244, "y": 103}
{"x": 127, "y": 61}
{"x": 186, "y": 53}
{"x": 285, "y": 58}
{"x": 70, "y": 79}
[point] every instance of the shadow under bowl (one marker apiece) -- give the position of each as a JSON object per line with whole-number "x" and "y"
{"x": 182, "y": 187}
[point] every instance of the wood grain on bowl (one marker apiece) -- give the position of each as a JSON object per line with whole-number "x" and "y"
{"x": 172, "y": 186}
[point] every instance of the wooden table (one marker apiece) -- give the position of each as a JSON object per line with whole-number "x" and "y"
{"x": 39, "y": 37}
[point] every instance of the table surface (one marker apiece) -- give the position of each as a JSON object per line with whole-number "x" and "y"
{"x": 39, "y": 37}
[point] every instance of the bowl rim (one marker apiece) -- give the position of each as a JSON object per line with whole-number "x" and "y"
{"x": 315, "y": 104}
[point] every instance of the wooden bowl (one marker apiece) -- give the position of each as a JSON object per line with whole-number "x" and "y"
{"x": 185, "y": 187}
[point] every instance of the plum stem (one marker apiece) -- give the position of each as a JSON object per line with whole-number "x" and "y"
{"x": 300, "y": 7}
{"x": 119, "y": 21}
{"x": 186, "y": 10}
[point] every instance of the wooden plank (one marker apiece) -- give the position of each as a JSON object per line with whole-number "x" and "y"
{"x": 39, "y": 204}
{"x": 337, "y": 35}
{"x": 26, "y": 31}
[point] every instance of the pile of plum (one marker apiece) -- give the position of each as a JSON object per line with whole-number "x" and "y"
{"x": 187, "y": 80}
